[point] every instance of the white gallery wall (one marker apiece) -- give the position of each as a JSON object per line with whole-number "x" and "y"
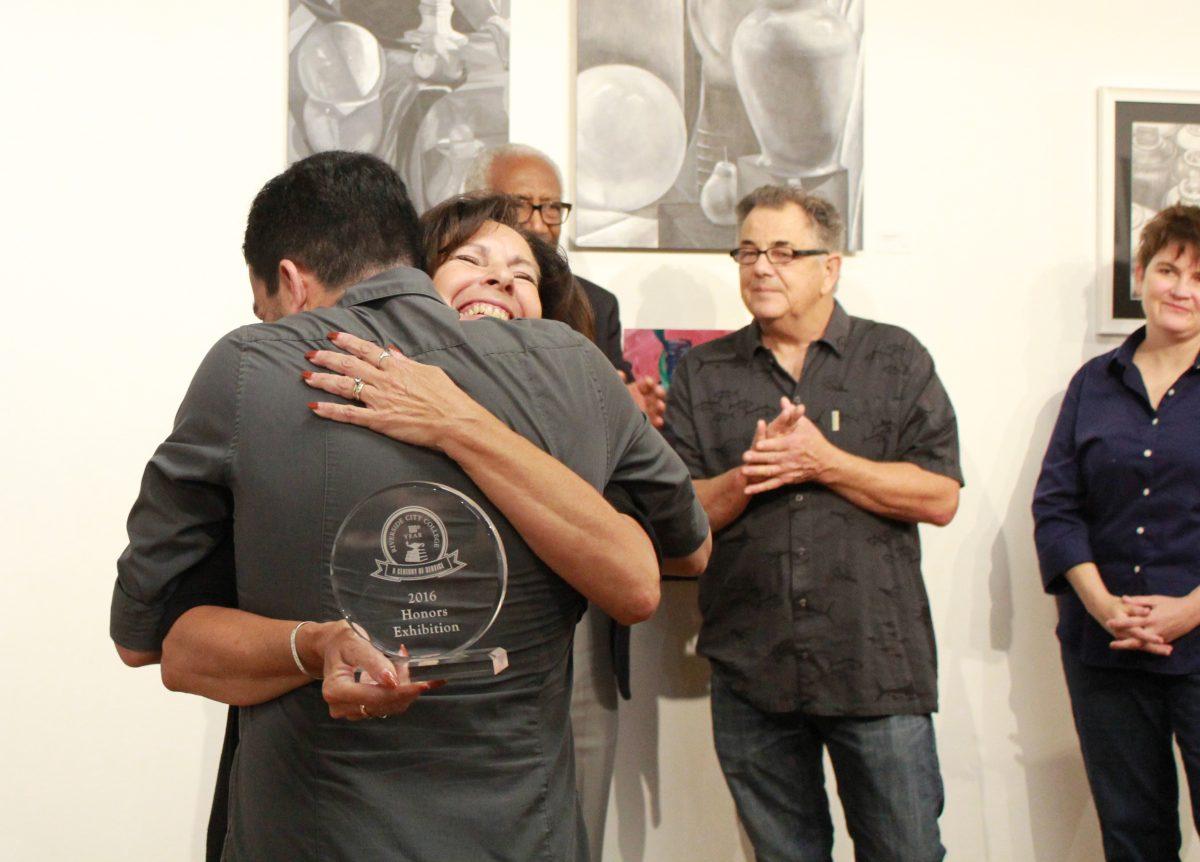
{"x": 136, "y": 134}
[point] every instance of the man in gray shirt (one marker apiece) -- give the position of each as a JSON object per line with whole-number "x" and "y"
{"x": 814, "y": 610}
{"x": 480, "y": 768}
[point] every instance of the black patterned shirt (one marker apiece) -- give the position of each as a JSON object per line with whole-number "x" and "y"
{"x": 810, "y": 603}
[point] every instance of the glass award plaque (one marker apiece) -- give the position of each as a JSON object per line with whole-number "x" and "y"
{"x": 419, "y": 569}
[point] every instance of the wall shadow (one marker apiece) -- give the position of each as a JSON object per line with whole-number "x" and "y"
{"x": 664, "y": 667}
{"x": 1022, "y": 620}
{"x": 668, "y": 289}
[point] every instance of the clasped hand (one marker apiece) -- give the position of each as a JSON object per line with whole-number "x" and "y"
{"x": 1150, "y": 623}
{"x": 789, "y": 449}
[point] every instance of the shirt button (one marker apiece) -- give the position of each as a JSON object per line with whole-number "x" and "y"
{"x": 1145, "y": 492}
{"x": 1154, "y": 421}
{"x": 1147, "y": 453}
{"x": 1141, "y": 530}
{"x": 1170, "y": 391}
{"x": 1137, "y": 570}
{"x": 803, "y": 602}
{"x": 799, "y": 498}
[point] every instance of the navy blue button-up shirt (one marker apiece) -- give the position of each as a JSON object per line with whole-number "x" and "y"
{"x": 1120, "y": 487}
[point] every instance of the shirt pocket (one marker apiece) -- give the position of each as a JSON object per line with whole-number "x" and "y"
{"x": 859, "y": 424}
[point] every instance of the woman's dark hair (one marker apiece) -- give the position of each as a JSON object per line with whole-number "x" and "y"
{"x": 1176, "y": 225}
{"x": 454, "y": 221}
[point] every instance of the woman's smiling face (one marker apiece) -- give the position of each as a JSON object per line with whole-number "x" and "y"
{"x": 1170, "y": 289}
{"x": 492, "y": 274}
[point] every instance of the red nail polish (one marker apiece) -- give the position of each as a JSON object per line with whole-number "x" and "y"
{"x": 332, "y": 336}
{"x": 306, "y": 374}
{"x": 310, "y": 354}
{"x": 312, "y": 405}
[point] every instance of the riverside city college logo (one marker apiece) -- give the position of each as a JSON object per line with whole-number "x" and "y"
{"x": 414, "y": 541}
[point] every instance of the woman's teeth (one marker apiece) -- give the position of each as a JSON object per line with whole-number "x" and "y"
{"x": 484, "y": 309}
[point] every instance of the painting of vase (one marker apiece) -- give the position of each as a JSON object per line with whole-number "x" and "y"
{"x": 685, "y": 106}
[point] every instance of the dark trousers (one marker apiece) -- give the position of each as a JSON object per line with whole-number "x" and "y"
{"x": 887, "y": 778}
{"x": 1126, "y": 721}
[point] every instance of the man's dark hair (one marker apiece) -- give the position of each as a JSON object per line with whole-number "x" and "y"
{"x": 343, "y": 216}
{"x": 453, "y": 222}
{"x": 1177, "y": 225}
{"x": 820, "y": 212}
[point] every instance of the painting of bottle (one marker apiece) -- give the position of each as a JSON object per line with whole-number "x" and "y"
{"x": 1152, "y": 163}
{"x": 794, "y": 61}
{"x": 797, "y": 67}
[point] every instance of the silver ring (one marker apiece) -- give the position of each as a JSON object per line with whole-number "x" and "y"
{"x": 362, "y": 707}
{"x": 385, "y": 355}
{"x": 357, "y": 391}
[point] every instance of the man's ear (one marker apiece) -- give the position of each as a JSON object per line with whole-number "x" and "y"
{"x": 833, "y": 271}
{"x": 294, "y": 286}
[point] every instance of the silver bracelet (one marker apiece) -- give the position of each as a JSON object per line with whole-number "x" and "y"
{"x": 296, "y": 653}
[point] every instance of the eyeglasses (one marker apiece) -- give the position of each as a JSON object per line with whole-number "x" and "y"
{"x": 778, "y": 255}
{"x": 552, "y": 212}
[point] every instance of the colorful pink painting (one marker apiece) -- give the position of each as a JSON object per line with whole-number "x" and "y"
{"x": 656, "y": 352}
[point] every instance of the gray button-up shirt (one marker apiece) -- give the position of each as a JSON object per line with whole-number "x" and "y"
{"x": 809, "y": 602}
{"x": 481, "y": 768}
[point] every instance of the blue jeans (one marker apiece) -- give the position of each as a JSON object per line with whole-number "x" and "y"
{"x": 1126, "y": 720}
{"x": 887, "y": 778}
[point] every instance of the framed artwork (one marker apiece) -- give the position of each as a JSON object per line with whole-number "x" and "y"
{"x": 682, "y": 107}
{"x": 423, "y": 84}
{"x": 1149, "y": 159}
{"x": 655, "y": 352}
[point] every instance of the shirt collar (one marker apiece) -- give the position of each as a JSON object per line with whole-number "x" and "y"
{"x": 400, "y": 281}
{"x": 836, "y": 335}
{"x": 1122, "y": 358}
{"x": 837, "y": 332}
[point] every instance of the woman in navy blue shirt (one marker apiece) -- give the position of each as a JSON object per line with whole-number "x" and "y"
{"x": 1117, "y": 514}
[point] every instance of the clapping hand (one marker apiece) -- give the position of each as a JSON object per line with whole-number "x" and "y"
{"x": 789, "y": 449}
{"x": 649, "y": 396}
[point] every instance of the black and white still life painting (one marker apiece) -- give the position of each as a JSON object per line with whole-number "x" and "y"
{"x": 684, "y": 106}
{"x": 1165, "y": 170}
{"x": 1149, "y": 148}
{"x": 423, "y": 84}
